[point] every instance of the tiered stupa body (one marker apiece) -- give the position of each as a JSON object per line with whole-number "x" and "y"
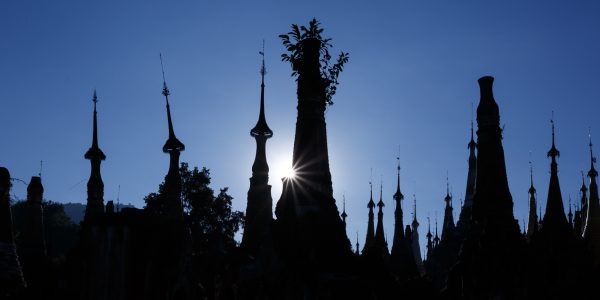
{"x": 402, "y": 257}
{"x": 489, "y": 261}
{"x": 309, "y": 231}
{"x": 259, "y": 210}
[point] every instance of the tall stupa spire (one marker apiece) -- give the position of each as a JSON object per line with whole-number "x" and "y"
{"x": 398, "y": 213}
{"x": 448, "y": 225}
{"x": 172, "y": 207}
{"x": 532, "y": 222}
{"x": 591, "y": 231}
{"x": 464, "y": 218}
{"x": 379, "y": 231}
{"x": 95, "y": 185}
{"x": 370, "y": 239}
{"x": 554, "y": 217}
{"x": 259, "y": 208}
{"x": 172, "y": 144}
{"x": 416, "y": 247}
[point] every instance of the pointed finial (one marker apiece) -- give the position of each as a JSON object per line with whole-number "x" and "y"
{"x": 95, "y": 98}
{"x": 263, "y": 70}
{"x": 344, "y": 197}
{"x": 552, "y": 121}
{"x": 94, "y": 151}
{"x": 447, "y": 185}
{"x": 371, "y": 183}
{"x": 531, "y": 188}
{"x": 592, "y": 172}
{"x": 428, "y": 224}
{"x": 262, "y": 128}
{"x": 380, "y": 203}
{"x": 553, "y": 151}
{"x": 414, "y": 207}
{"x": 398, "y": 159}
{"x": 165, "y": 90}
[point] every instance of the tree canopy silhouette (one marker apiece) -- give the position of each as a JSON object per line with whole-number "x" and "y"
{"x": 211, "y": 218}
{"x": 61, "y": 231}
{"x": 329, "y": 72}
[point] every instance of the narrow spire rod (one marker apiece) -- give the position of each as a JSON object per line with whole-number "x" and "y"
{"x": 552, "y": 121}
{"x": 414, "y": 207}
{"x": 381, "y": 187}
{"x": 165, "y": 90}
{"x": 530, "y": 169}
{"x": 263, "y": 69}
{"x": 591, "y": 153}
{"x": 447, "y": 184}
{"x": 41, "y": 167}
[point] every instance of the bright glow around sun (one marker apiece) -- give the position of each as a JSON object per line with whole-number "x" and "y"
{"x": 282, "y": 168}
{"x": 290, "y": 173}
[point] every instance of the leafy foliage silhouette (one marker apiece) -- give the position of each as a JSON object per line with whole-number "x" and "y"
{"x": 329, "y": 72}
{"x": 211, "y": 218}
{"x": 61, "y": 231}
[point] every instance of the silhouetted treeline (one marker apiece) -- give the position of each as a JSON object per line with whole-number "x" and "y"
{"x": 61, "y": 232}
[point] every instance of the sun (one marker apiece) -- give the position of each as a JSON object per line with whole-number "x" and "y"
{"x": 289, "y": 172}
{"x": 282, "y": 168}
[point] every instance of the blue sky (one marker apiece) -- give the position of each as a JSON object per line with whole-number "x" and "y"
{"x": 411, "y": 79}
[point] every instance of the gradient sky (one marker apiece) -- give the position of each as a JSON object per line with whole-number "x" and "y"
{"x": 411, "y": 79}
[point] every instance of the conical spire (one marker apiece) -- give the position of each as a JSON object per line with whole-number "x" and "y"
{"x": 429, "y": 240}
{"x": 416, "y": 247}
{"x": 448, "y": 225}
{"x": 592, "y": 225}
{"x": 554, "y": 218}
{"x": 369, "y": 242}
{"x": 379, "y": 232}
{"x": 398, "y": 195}
{"x": 172, "y": 143}
{"x": 261, "y": 127}
{"x": 94, "y": 151}
{"x": 95, "y": 186}
{"x": 532, "y": 224}
{"x": 172, "y": 206}
{"x": 591, "y": 232}
{"x": 398, "y": 213}
{"x": 466, "y": 208}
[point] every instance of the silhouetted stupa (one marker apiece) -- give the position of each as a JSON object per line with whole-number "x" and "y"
{"x": 95, "y": 185}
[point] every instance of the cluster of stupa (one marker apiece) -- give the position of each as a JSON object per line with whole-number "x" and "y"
{"x": 304, "y": 252}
